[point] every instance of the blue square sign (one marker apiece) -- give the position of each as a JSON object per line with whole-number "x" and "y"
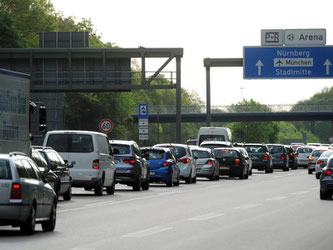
{"x": 143, "y": 111}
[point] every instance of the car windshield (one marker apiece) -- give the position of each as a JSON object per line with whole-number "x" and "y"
{"x": 154, "y": 154}
{"x": 201, "y": 153}
{"x": 123, "y": 149}
{"x": 220, "y": 153}
{"x": 275, "y": 149}
{"x": 304, "y": 150}
{"x": 255, "y": 149}
{"x": 77, "y": 143}
{"x": 5, "y": 173}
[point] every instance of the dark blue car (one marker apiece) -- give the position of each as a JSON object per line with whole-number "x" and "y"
{"x": 163, "y": 165}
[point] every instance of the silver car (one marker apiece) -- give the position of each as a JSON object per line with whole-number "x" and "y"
{"x": 186, "y": 162}
{"x": 316, "y": 153}
{"x": 207, "y": 165}
{"x": 322, "y": 162}
{"x": 25, "y": 196}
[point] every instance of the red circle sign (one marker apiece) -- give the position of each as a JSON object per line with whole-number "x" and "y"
{"x": 105, "y": 125}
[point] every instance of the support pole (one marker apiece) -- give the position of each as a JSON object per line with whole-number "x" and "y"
{"x": 178, "y": 101}
{"x": 208, "y": 111}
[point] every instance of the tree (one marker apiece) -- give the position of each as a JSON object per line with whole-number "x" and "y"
{"x": 10, "y": 36}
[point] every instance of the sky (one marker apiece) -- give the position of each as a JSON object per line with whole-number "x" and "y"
{"x": 209, "y": 29}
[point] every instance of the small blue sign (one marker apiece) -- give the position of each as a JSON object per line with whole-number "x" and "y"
{"x": 288, "y": 62}
{"x": 143, "y": 111}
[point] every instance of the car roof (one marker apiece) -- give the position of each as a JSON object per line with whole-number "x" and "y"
{"x": 155, "y": 148}
{"x": 122, "y": 142}
{"x": 74, "y": 132}
{"x": 172, "y": 144}
{"x": 216, "y": 142}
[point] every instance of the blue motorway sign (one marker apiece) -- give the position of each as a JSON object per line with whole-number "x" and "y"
{"x": 143, "y": 111}
{"x": 288, "y": 62}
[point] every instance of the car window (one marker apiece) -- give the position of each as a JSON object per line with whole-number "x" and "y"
{"x": 52, "y": 157}
{"x": 317, "y": 153}
{"x": 103, "y": 145}
{"x": 123, "y": 149}
{"x": 326, "y": 154}
{"x": 304, "y": 150}
{"x": 23, "y": 173}
{"x": 220, "y": 153}
{"x": 77, "y": 143}
{"x": 275, "y": 149}
{"x": 36, "y": 170}
{"x": 28, "y": 167}
{"x": 39, "y": 159}
{"x": 178, "y": 151}
{"x": 212, "y": 138}
{"x": 62, "y": 162}
{"x": 201, "y": 153}
{"x": 5, "y": 173}
{"x": 255, "y": 149}
{"x": 155, "y": 154}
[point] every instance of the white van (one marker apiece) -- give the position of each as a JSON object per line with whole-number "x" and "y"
{"x": 214, "y": 134}
{"x": 94, "y": 166}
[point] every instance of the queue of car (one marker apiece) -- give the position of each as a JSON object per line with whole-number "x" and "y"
{"x": 30, "y": 187}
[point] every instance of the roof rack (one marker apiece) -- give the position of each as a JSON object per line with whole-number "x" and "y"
{"x": 17, "y": 153}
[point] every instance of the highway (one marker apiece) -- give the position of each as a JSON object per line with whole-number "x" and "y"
{"x": 268, "y": 211}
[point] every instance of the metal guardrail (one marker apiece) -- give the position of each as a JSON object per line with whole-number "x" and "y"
{"x": 241, "y": 109}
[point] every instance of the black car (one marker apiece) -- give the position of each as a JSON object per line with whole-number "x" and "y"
{"x": 49, "y": 175}
{"x": 292, "y": 157}
{"x": 260, "y": 156}
{"x": 326, "y": 180}
{"x": 232, "y": 162}
{"x": 280, "y": 156}
{"x": 60, "y": 168}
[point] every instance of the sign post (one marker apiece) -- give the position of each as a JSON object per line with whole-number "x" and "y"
{"x": 143, "y": 121}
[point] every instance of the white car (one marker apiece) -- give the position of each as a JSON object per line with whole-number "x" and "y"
{"x": 302, "y": 155}
{"x": 94, "y": 163}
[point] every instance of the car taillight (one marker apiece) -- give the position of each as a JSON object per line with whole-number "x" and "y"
{"x": 95, "y": 164}
{"x": 237, "y": 161}
{"x": 266, "y": 157}
{"x": 320, "y": 162}
{"x": 166, "y": 163}
{"x": 327, "y": 171}
{"x": 209, "y": 162}
{"x": 283, "y": 156}
{"x": 185, "y": 160}
{"x": 16, "y": 192}
{"x": 129, "y": 160}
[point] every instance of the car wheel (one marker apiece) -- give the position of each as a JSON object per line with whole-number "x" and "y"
{"x": 177, "y": 182}
{"x": 189, "y": 179}
{"x": 137, "y": 185}
{"x": 49, "y": 226}
{"x": 98, "y": 190}
{"x": 250, "y": 173}
{"x": 28, "y": 227}
{"x": 323, "y": 195}
{"x": 217, "y": 177}
{"x": 268, "y": 170}
{"x": 111, "y": 189}
{"x": 194, "y": 179}
{"x": 68, "y": 195}
{"x": 246, "y": 176}
{"x": 310, "y": 171}
{"x": 241, "y": 176}
{"x": 318, "y": 175}
{"x": 145, "y": 186}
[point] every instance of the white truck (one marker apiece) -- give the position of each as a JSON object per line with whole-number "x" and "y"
{"x": 214, "y": 134}
{"x": 16, "y": 111}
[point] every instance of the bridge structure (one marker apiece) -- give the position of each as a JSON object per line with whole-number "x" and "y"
{"x": 241, "y": 113}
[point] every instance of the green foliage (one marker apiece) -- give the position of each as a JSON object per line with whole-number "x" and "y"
{"x": 10, "y": 36}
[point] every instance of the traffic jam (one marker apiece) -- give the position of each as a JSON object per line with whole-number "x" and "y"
{"x": 31, "y": 186}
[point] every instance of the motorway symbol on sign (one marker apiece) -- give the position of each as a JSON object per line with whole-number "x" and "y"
{"x": 143, "y": 111}
{"x": 105, "y": 125}
{"x": 288, "y": 62}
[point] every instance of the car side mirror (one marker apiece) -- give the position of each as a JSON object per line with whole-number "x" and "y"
{"x": 46, "y": 170}
{"x": 116, "y": 151}
{"x": 72, "y": 164}
{"x": 196, "y": 157}
{"x": 53, "y": 166}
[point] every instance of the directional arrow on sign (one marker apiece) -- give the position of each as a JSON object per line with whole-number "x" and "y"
{"x": 327, "y": 64}
{"x": 259, "y": 64}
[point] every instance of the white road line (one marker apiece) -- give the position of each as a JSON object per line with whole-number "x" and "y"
{"x": 315, "y": 188}
{"x": 147, "y": 232}
{"x": 277, "y": 198}
{"x": 247, "y": 206}
{"x": 300, "y": 192}
{"x": 206, "y": 216}
{"x": 213, "y": 186}
{"x": 278, "y": 176}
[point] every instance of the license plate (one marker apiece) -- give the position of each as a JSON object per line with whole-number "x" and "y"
{"x": 152, "y": 173}
{"x": 224, "y": 168}
{"x": 254, "y": 158}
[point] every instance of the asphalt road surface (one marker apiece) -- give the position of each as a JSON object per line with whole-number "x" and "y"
{"x": 268, "y": 211}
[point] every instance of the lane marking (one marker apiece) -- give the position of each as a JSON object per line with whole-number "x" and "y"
{"x": 315, "y": 188}
{"x": 147, "y": 232}
{"x": 300, "y": 192}
{"x": 206, "y": 216}
{"x": 277, "y": 198}
{"x": 248, "y": 206}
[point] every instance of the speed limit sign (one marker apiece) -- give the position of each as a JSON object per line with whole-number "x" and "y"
{"x": 105, "y": 125}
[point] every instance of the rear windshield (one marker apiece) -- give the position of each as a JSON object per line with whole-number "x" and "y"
{"x": 201, "y": 154}
{"x": 176, "y": 151}
{"x": 5, "y": 173}
{"x": 255, "y": 149}
{"x": 327, "y": 154}
{"x": 220, "y": 153}
{"x": 275, "y": 149}
{"x": 317, "y": 153}
{"x": 76, "y": 143}
{"x": 123, "y": 149}
{"x": 211, "y": 138}
{"x": 304, "y": 150}
{"x": 154, "y": 154}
